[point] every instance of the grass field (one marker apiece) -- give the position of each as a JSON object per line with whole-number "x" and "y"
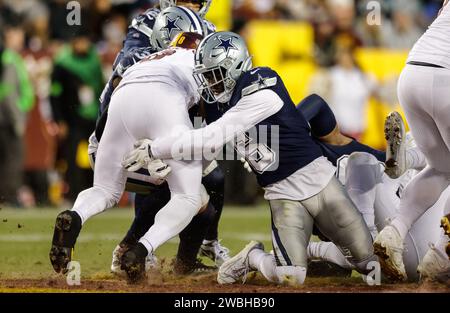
{"x": 25, "y": 237}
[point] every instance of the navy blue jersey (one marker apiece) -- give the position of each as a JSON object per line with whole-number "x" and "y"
{"x": 333, "y": 153}
{"x": 322, "y": 121}
{"x": 283, "y": 140}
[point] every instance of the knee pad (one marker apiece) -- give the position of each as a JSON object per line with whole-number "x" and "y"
{"x": 362, "y": 158}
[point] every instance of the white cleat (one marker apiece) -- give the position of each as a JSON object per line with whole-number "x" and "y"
{"x": 237, "y": 267}
{"x": 394, "y": 132}
{"x": 151, "y": 262}
{"x": 435, "y": 265}
{"x": 215, "y": 251}
{"x": 388, "y": 246}
{"x": 115, "y": 264}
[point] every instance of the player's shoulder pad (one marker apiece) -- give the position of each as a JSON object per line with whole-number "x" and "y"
{"x": 210, "y": 26}
{"x": 132, "y": 57}
{"x": 257, "y": 79}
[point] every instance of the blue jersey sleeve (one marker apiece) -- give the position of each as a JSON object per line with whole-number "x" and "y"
{"x": 319, "y": 115}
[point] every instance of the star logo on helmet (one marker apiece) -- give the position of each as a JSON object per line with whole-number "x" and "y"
{"x": 226, "y": 44}
{"x": 171, "y": 25}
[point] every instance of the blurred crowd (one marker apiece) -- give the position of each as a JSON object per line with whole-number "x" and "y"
{"x": 52, "y": 74}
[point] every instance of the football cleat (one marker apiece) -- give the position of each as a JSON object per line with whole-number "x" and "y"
{"x": 215, "y": 251}
{"x": 445, "y": 224}
{"x": 67, "y": 229}
{"x": 435, "y": 265}
{"x": 133, "y": 263}
{"x": 388, "y": 246}
{"x": 394, "y": 131}
{"x": 321, "y": 268}
{"x": 237, "y": 267}
{"x": 151, "y": 261}
{"x": 197, "y": 267}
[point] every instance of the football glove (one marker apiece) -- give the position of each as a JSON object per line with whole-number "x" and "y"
{"x": 141, "y": 156}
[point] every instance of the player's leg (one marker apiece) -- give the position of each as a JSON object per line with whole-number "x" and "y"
{"x": 191, "y": 239}
{"x": 363, "y": 174}
{"x": 214, "y": 183}
{"x": 416, "y": 93}
{"x": 184, "y": 181}
{"x": 328, "y": 251}
{"x": 337, "y": 218}
{"x": 146, "y": 207}
{"x": 109, "y": 182}
{"x": 291, "y": 231}
{"x": 431, "y": 242}
{"x": 185, "y": 202}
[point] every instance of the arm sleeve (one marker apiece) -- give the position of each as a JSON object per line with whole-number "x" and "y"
{"x": 319, "y": 115}
{"x": 249, "y": 111}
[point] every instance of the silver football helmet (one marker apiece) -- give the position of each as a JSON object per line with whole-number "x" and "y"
{"x": 173, "y": 21}
{"x": 220, "y": 60}
{"x": 204, "y": 5}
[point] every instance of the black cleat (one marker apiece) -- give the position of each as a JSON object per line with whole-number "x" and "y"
{"x": 188, "y": 268}
{"x": 445, "y": 224}
{"x": 67, "y": 229}
{"x": 133, "y": 263}
{"x": 320, "y": 268}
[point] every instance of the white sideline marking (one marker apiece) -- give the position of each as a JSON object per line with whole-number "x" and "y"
{"x": 39, "y": 237}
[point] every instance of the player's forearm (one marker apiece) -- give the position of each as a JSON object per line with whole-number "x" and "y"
{"x": 195, "y": 144}
{"x": 207, "y": 141}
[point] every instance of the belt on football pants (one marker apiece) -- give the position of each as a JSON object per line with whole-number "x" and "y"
{"x": 424, "y": 64}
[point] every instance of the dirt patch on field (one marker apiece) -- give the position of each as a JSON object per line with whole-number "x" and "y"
{"x": 207, "y": 284}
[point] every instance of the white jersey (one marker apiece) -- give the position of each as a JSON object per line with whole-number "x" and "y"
{"x": 173, "y": 66}
{"x": 434, "y": 46}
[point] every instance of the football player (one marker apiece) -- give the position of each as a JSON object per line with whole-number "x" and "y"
{"x": 423, "y": 94}
{"x": 298, "y": 180}
{"x": 141, "y": 41}
{"x": 375, "y": 194}
{"x": 135, "y": 112}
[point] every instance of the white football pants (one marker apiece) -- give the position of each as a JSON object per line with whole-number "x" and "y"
{"x": 137, "y": 111}
{"x": 375, "y": 195}
{"x": 424, "y": 94}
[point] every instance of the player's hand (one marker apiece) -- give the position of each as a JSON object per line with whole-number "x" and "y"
{"x": 246, "y": 165}
{"x": 139, "y": 157}
{"x": 158, "y": 170}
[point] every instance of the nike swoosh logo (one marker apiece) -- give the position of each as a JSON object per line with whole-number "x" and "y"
{"x": 254, "y": 71}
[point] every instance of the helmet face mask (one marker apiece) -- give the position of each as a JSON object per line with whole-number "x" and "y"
{"x": 215, "y": 85}
{"x": 220, "y": 60}
{"x": 203, "y": 5}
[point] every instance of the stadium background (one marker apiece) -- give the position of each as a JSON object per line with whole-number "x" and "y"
{"x": 323, "y": 46}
